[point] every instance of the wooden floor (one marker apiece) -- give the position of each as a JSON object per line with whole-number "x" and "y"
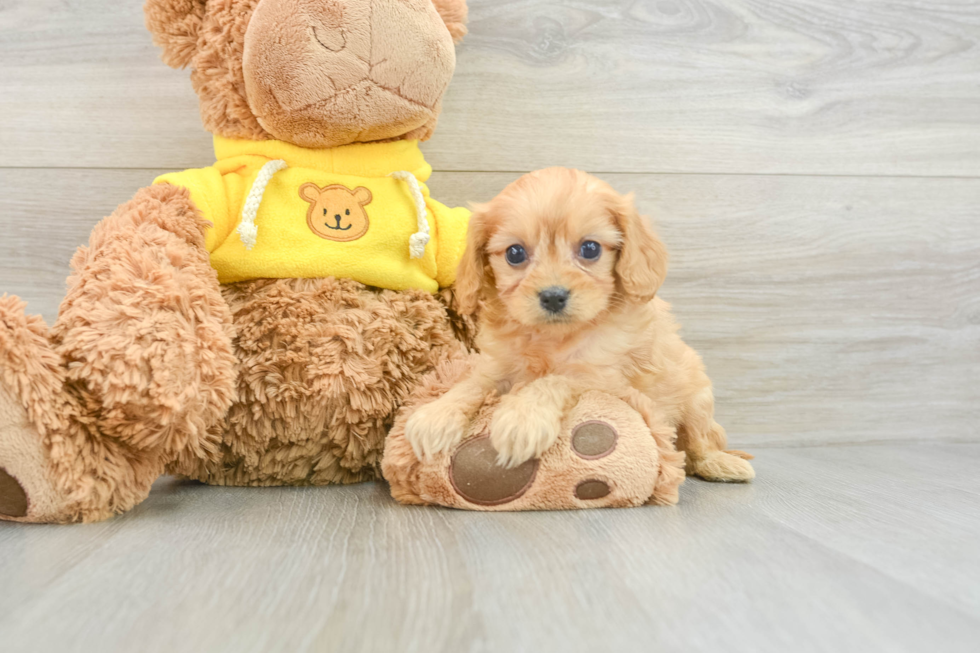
{"x": 862, "y": 548}
{"x": 814, "y": 168}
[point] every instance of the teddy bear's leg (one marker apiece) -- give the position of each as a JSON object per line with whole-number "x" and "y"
{"x": 704, "y": 440}
{"x": 135, "y": 371}
{"x": 604, "y": 456}
{"x": 34, "y": 414}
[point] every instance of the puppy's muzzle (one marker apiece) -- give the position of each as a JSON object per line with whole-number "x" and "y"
{"x": 554, "y": 299}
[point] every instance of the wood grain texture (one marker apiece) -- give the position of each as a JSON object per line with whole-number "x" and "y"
{"x": 827, "y": 309}
{"x": 885, "y": 87}
{"x": 830, "y": 550}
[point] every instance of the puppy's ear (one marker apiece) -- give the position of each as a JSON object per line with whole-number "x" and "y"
{"x": 454, "y": 14}
{"x": 175, "y": 25}
{"x": 472, "y": 278}
{"x": 642, "y": 263}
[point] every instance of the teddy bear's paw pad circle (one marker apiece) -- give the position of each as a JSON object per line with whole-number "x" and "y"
{"x": 13, "y": 499}
{"x": 478, "y": 478}
{"x": 592, "y": 489}
{"x": 594, "y": 439}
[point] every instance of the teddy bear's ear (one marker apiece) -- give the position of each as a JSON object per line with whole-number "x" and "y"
{"x": 175, "y": 25}
{"x": 454, "y": 14}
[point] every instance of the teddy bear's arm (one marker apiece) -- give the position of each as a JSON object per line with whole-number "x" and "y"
{"x": 451, "y": 224}
{"x": 208, "y": 192}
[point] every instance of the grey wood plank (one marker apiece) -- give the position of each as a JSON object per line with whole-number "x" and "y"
{"x": 827, "y": 309}
{"x": 799, "y": 86}
{"x": 31, "y": 559}
{"x": 910, "y": 512}
{"x": 345, "y": 569}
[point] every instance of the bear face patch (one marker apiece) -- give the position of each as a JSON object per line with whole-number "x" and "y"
{"x": 337, "y": 212}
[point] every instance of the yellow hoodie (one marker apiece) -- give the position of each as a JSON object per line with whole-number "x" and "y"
{"x": 358, "y": 211}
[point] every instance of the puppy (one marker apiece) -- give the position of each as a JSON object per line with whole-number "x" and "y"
{"x": 565, "y": 272}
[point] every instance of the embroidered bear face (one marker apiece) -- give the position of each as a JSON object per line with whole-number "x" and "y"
{"x": 337, "y": 212}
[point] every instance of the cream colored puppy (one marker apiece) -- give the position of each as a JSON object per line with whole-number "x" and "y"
{"x": 565, "y": 272}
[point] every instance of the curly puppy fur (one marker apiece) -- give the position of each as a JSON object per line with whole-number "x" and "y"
{"x": 563, "y": 233}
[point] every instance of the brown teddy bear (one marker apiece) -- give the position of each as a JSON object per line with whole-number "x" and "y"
{"x": 258, "y": 321}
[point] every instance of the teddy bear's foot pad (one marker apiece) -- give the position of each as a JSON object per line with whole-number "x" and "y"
{"x": 478, "y": 478}
{"x": 13, "y": 499}
{"x": 589, "y": 490}
{"x": 594, "y": 439}
{"x": 28, "y": 492}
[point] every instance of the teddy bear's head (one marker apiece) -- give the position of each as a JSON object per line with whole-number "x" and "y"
{"x": 315, "y": 73}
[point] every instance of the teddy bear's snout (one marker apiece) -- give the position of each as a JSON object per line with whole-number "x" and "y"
{"x": 311, "y": 66}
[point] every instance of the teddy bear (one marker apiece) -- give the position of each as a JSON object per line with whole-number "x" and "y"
{"x": 269, "y": 319}
{"x": 260, "y": 320}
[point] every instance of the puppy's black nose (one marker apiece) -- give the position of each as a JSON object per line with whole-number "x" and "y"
{"x": 553, "y": 299}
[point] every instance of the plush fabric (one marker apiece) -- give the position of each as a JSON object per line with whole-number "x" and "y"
{"x": 371, "y": 71}
{"x": 323, "y": 364}
{"x": 175, "y": 25}
{"x": 627, "y": 469}
{"x": 138, "y": 367}
{"x": 154, "y": 365}
{"x": 454, "y": 13}
{"x": 317, "y": 73}
{"x": 303, "y": 227}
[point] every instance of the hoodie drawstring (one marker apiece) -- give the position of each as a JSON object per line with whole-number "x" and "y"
{"x": 418, "y": 241}
{"x": 247, "y": 230}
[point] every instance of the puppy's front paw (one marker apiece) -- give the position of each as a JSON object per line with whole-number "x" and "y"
{"x": 435, "y": 428}
{"x": 521, "y": 431}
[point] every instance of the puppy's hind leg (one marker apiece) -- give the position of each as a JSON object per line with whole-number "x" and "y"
{"x": 672, "y": 468}
{"x": 704, "y": 440}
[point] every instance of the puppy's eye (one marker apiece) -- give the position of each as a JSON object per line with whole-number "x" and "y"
{"x": 516, "y": 255}
{"x": 590, "y": 250}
